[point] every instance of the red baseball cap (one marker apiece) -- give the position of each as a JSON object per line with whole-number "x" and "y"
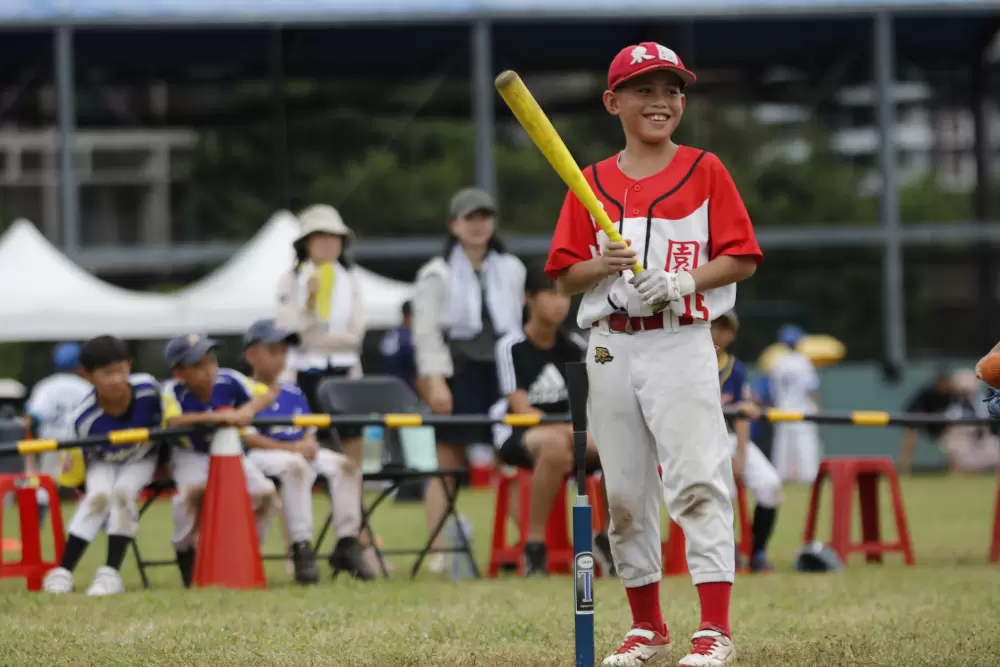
{"x": 646, "y": 57}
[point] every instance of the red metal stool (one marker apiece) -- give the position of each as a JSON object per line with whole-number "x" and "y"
{"x": 844, "y": 474}
{"x": 674, "y": 553}
{"x": 995, "y": 546}
{"x": 31, "y": 566}
{"x": 557, "y": 536}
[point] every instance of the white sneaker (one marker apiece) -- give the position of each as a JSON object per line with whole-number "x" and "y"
{"x": 58, "y": 580}
{"x": 710, "y": 648}
{"x": 642, "y": 646}
{"x": 107, "y": 581}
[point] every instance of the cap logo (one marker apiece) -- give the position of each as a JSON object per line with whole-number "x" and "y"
{"x": 640, "y": 55}
{"x": 193, "y": 338}
{"x": 665, "y": 54}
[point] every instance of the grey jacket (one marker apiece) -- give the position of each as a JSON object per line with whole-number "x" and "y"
{"x": 430, "y": 303}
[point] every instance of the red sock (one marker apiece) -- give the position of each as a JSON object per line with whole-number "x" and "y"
{"x": 645, "y": 604}
{"x": 714, "y": 598}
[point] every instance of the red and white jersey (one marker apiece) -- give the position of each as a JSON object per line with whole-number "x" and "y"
{"x": 677, "y": 219}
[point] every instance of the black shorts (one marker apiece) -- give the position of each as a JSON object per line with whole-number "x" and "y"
{"x": 473, "y": 392}
{"x": 513, "y": 452}
{"x": 309, "y": 384}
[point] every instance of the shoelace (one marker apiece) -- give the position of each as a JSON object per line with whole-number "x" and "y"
{"x": 631, "y": 642}
{"x": 703, "y": 645}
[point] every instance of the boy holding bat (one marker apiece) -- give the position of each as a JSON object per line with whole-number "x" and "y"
{"x": 654, "y": 382}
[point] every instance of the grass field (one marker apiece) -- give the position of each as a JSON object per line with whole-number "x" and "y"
{"x": 945, "y": 611}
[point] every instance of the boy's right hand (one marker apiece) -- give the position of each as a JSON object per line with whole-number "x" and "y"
{"x": 617, "y": 257}
{"x": 308, "y": 449}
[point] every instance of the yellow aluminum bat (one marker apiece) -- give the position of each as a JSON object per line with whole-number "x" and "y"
{"x": 544, "y": 135}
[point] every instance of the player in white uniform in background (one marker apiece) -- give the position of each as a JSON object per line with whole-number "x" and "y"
{"x": 750, "y": 466}
{"x": 116, "y": 474}
{"x": 50, "y": 409}
{"x": 795, "y": 387}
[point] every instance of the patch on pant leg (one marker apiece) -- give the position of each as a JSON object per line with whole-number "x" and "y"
{"x": 98, "y": 503}
{"x": 622, "y": 516}
{"x": 694, "y": 501}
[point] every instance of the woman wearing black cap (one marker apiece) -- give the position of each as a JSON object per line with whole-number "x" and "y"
{"x": 464, "y": 301}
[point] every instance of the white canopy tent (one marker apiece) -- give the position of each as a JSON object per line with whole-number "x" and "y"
{"x": 47, "y": 297}
{"x": 244, "y": 289}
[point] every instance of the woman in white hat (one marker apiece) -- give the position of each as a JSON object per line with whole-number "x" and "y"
{"x": 319, "y": 300}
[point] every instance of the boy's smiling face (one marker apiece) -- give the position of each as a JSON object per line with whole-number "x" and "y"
{"x": 650, "y": 105}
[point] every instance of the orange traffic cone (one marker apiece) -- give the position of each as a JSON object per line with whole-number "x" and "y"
{"x": 228, "y": 553}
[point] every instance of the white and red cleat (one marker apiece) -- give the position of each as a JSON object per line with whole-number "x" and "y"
{"x": 709, "y": 648}
{"x": 642, "y": 646}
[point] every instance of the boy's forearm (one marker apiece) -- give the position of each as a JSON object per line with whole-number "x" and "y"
{"x": 581, "y": 276}
{"x": 191, "y": 419}
{"x": 742, "y": 428}
{"x": 258, "y": 403}
{"x": 723, "y": 270}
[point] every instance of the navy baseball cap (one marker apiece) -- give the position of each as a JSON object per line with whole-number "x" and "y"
{"x": 66, "y": 357}
{"x": 266, "y": 331}
{"x": 790, "y": 335}
{"x": 189, "y": 349}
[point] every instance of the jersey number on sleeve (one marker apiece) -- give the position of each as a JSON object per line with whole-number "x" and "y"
{"x": 699, "y": 304}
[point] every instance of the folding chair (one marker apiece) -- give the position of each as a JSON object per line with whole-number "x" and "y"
{"x": 385, "y": 394}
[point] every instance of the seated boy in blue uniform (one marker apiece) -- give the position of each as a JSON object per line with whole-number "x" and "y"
{"x": 116, "y": 474}
{"x": 293, "y": 455}
{"x": 750, "y": 466}
{"x": 194, "y": 397}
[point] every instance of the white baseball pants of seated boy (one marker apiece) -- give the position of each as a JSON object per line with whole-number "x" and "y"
{"x": 112, "y": 493}
{"x": 191, "y": 475}
{"x": 797, "y": 451}
{"x": 297, "y": 475}
{"x": 759, "y": 475}
{"x": 655, "y": 400}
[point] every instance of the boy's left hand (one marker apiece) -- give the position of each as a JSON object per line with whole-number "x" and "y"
{"x": 657, "y": 286}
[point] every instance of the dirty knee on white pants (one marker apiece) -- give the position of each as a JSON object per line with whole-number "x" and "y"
{"x": 95, "y": 506}
{"x": 132, "y": 478}
{"x": 344, "y": 482}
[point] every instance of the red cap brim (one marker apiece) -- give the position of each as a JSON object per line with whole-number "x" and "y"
{"x": 687, "y": 77}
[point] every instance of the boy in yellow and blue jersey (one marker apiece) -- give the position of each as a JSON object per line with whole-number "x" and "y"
{"x": 293, "y": 454}
{"x": 194, "y": 396}
{"x": 750, "y": 466}
{"x": 115, "y": 474}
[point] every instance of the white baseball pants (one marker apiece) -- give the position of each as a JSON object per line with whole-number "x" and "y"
{"x": 655, "y": 399}
{"x": 297, "y": 476}
{"x": 191, "y": 475}
{"x": 112, "y": 493}
{"x": 344, "y": 482}
{"x": 797, "y": 451}
{"x": 759, "y": 475}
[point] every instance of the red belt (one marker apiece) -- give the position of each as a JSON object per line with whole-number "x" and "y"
{"x": 620, "y": 323}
